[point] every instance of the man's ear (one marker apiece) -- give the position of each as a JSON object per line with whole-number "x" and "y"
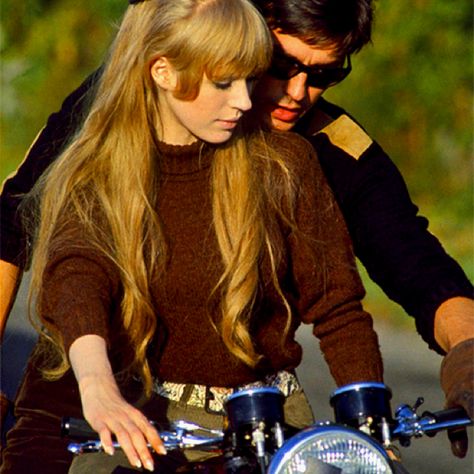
{"x": 163, "y": 73}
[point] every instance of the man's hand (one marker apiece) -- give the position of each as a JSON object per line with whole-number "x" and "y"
{"x": 9, "y": 282}
{"x": 457, "y": 381}
{"x": 454, "y": 332}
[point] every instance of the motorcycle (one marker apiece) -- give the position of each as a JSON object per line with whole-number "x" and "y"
{"x": 257, "y": 441}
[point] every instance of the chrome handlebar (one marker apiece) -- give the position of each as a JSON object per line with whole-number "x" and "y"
{"x": 410, "y": 425}
{"x": 182, "y": 435}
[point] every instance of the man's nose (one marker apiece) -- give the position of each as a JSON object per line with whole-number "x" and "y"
{"x": 296, "y": 87}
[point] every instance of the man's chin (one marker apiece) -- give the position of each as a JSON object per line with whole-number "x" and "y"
{"x": 282, "y": 126}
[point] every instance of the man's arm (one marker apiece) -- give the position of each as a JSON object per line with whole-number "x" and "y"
{"x": 390, "y": 238}
{"x": 14, "y": 243}
{"x": 402, "y": 256}
{"x": 10, "y": 276}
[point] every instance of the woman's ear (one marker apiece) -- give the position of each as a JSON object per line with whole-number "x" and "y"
{"x": 163, "y": 73}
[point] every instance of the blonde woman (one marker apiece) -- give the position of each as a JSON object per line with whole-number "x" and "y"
{"x": 179, "y": 248}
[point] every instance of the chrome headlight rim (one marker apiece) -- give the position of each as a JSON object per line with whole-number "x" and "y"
{"x": 296, "y": 442}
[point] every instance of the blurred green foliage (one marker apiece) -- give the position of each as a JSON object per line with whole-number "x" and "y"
{"x": 48, "y": 47}
{"x": 411, "y": 89}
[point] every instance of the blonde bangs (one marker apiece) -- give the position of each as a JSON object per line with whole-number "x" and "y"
{"x": 240, "y": 58}
{"x": 223, "y": 41}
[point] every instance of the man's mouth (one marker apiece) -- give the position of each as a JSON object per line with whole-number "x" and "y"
{"x": 286, "y": 114}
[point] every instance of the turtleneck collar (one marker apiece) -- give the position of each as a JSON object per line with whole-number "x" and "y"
{"x": 185, "y": 159}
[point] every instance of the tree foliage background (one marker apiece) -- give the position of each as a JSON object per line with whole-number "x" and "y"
{"x": 411, "y": 89}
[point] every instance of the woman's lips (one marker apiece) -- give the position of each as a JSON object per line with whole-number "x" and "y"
{"x": 228, "y": 124}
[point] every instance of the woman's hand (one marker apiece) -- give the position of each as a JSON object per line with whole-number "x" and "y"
{"x": 104, "y": 407}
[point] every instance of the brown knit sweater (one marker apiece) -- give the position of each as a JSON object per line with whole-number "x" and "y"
{"x": 81, "y": 289}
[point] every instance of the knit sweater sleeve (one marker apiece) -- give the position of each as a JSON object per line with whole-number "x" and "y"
{"x": 79, "y": 289}
{"x": 328, "y": 287}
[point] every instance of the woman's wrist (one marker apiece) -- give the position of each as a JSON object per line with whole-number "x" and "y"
{"x": 89, "y": 360}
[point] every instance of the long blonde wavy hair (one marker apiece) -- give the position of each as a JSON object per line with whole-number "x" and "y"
{"x": 111, "y": 164}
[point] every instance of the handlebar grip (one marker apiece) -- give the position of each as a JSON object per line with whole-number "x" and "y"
{"x": 432, "y": 422}
{"x": 449, "y": 415}
{"x": 77, "y": 428}
{"x": 80, "y": 430}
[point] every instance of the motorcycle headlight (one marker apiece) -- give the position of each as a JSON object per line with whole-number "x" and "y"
{"x": 330, "y": 450}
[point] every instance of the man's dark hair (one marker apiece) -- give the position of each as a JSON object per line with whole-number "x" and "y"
{"x": 346, "y": 23}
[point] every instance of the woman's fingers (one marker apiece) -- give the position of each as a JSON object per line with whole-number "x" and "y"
{"x": 143, "y": 434}
{"x": 149, "y": 432}
{"x": 135, "y": 446}
{"x": 126, "y": 441}
{"x": 133, "y": 433}
{"x": 111, "y": 415}
{"x": 153, "y": 438}
{"x": 106, "y": 440}
{"x": 104, "y": 406}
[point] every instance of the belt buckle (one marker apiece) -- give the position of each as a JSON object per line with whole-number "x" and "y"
{"x": 209, "y": 397}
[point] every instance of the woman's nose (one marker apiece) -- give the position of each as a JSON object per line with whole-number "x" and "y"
{"x": 241, "y": 97}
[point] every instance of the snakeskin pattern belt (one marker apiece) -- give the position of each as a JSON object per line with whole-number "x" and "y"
{"x": 212, "y": 399}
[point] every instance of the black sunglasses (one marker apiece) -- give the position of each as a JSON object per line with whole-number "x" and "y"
{"x": 285, "y": 67}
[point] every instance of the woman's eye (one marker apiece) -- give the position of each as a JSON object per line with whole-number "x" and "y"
{"x": 223, "y": 85}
